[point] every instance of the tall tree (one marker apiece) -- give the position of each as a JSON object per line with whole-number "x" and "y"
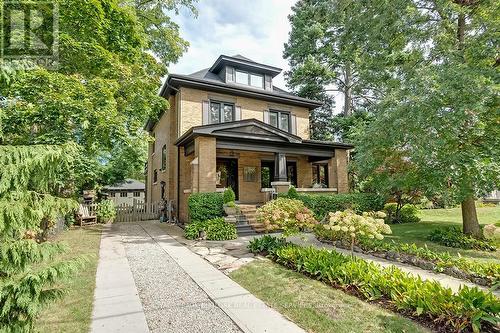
{"x": 440, "y": 110}
{"x": 105, "y": 86}
{"x": 326, "y": 52}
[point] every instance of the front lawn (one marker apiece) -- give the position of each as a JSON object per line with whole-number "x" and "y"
{"x": 313, "y": 305}
{"x": 435, "y": 218}
{"x": 73, "y": 312}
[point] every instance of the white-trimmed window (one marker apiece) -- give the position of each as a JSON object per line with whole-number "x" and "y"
{"x": 250, "y": 79}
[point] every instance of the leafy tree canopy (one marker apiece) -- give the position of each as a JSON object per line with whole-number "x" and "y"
{"x": 106, "y": 84}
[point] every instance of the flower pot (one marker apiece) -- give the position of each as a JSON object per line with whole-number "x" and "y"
{"x": 231, "y": 210}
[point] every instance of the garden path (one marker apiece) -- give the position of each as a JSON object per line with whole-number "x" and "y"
{"x": 148, "y": 282}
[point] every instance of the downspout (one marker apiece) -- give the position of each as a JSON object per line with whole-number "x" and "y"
{"x": 178, "y": 182}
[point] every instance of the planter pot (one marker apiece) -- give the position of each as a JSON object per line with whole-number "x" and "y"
{"x": 231, "y": 210}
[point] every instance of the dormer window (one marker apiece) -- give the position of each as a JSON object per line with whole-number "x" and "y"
{"x": 250, "y": 79}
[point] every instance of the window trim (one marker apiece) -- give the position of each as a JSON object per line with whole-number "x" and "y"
{"x": 279, "y": 113}
{"x": 221, "y": 111}
{"x": 249, "y": 78}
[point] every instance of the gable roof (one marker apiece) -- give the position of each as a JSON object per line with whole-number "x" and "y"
{"x": 253, "y": 130}
{"x": 250, "y": 128}
{"x": 127, "y": 184}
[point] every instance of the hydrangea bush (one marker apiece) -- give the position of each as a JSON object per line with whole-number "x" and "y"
{"x": 350, "y": 227}
{"x": 289, "y": 215}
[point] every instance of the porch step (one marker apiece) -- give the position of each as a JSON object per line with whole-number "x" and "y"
{"x": 245, "y": 230}
{"x": 247, "y": 220}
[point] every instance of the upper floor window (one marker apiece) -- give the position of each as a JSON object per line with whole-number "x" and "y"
{"x": 137, "y": 194}
{"x": 221, "y": 112}
{"x": 280, "y": 120}
{"x": 250, "y": 79}
{"x": 123, "y": 194}
{"x": 155, "y": 176}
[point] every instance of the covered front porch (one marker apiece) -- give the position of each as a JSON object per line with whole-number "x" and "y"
{"x": 256, "y": 160}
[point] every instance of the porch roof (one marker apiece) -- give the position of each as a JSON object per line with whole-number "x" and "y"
{"x": 255, "y": 135}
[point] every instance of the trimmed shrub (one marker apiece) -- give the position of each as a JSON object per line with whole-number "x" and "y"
{"x": 407, "y": 214}
{"x": 215, "y": 229}
{"x": 322, "y": 204}
{"x": 454, "y": 237}
{"x": 229, "y": 195}
{"x": 470, "y": 309}
{"x": 285, "y": 214}
{"x": 205, "y": 206}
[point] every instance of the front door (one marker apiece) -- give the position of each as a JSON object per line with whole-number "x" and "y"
{"x": 227, "y": 174}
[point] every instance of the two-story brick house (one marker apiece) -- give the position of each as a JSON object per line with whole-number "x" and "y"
{"x": 228, "y": 125}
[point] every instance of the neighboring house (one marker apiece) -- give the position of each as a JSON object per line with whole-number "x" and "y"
{"x": 229, "y": 126}
{"x": 126, "y": 192}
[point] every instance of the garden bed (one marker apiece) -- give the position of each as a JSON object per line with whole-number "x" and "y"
{"x": 470, "y": 309}
{"x": 414, "y": 260}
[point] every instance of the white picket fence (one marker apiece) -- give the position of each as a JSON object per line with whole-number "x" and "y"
{"x": 138, "y": 211}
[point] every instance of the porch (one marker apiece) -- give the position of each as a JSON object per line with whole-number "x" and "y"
{"x": 256, "y": 159}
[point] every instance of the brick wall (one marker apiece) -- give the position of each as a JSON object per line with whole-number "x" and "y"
{"x": 191, "y": 106}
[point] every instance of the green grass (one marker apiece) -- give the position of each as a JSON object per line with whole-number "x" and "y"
{"x": 313, "y": 305}
{"x": 437, "y": 218}
{"x": 73, "y": 312}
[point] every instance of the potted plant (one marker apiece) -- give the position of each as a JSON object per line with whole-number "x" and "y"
{"x": 106, "y": 211}
{"x": 230, "y": 207}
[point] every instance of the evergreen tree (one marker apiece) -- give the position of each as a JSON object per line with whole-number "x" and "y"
{"x": 31, "y": 180}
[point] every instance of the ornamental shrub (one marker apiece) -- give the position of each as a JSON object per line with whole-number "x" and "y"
{"x": 106, "y": 210}
{"x": 322, "y": 204}
{"x": 205, "y": 206}
{"x": 407, "y": 214}
{"x": 350, "y": 227}
{"x": 454, "y": 237}
{"x": 292, "y": 193}
{"x": 469, "y": 309}
{"x": 215, "y": 229}
{"x": 229, "y": 195}
{"x": 289, "y": 215}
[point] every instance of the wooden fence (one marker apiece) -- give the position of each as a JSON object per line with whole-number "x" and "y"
{"x": 138, "y": 211}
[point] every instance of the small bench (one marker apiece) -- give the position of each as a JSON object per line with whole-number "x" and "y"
{"x": 83, "y": 216}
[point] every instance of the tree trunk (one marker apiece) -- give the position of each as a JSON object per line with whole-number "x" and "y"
{"x": 461, "y": 31}
{"x": 469, "y": 218}
{"x": 347, "y": 90}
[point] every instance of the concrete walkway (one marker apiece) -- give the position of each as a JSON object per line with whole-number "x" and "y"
{"x": 117, "y": 307}
{"x": 443, "y": 279}
{"x": 175, "y": 290}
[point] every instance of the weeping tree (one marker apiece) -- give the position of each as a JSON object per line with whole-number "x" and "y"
{"x": 31, "y": 198}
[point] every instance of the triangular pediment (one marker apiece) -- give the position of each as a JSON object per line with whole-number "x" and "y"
{"x": 248, "y": 129}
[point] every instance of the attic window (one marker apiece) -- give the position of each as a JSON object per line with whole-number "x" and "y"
{"x": 250, "y": 79}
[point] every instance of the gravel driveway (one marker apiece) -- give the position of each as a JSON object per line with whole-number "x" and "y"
{"x": 172, "y": 301}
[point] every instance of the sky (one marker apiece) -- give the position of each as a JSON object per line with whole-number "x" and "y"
{"x": 256, "y": 29}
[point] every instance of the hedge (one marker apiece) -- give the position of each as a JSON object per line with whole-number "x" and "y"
{"x": 322, "y": 204}
{"x": 468, "y": 309}
{"x": 205, "y": 206}
{"x": 215, "y": 229}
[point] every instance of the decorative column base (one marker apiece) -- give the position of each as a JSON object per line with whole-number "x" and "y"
{"x": 281, "y": 187}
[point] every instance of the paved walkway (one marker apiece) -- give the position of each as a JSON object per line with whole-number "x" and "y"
{"x": 148, "y": 282}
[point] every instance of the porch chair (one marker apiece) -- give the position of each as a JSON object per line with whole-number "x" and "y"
{"x": 83, "y": 216}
